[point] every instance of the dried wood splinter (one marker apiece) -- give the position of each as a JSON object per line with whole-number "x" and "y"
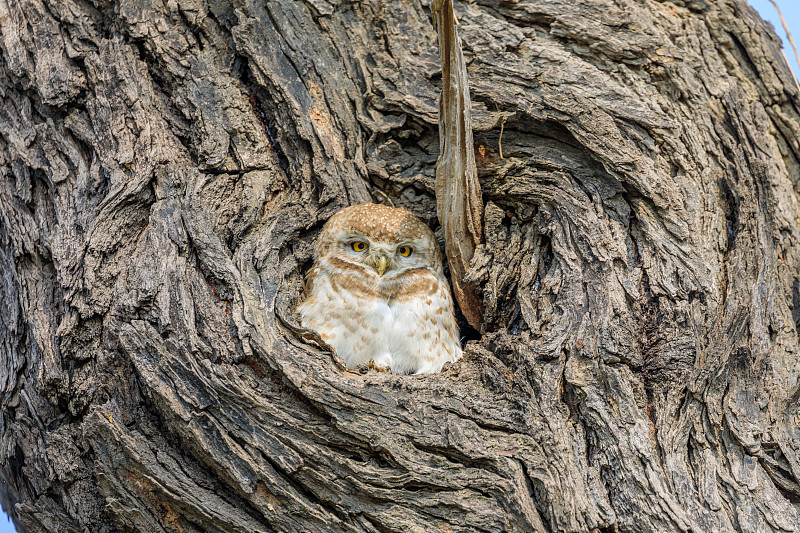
{"x": 458, "y": 193}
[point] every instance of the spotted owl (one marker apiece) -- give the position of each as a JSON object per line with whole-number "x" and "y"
{"x": 377, "y": 293}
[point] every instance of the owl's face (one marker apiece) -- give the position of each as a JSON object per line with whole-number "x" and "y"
{"x": 381, "y": 241}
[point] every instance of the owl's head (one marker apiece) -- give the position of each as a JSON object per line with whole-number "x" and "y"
{"x": 380, "y": 240}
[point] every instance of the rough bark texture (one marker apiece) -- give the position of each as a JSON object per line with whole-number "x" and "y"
{"x": 166, "y": 165}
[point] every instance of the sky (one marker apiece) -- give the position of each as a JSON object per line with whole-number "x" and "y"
{"x": 791, "y": 13}
{"x": 5, "y": 524}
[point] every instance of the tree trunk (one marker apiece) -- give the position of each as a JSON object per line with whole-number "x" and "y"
{"x": 166, "y": 166}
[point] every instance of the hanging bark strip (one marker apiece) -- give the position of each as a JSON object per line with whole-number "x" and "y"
{"x": 458, "y": 193}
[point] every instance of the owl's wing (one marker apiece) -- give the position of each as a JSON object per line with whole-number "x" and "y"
{"x": 308, "y": 286}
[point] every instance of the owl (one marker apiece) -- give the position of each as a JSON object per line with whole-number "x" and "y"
{"x": 377, "y": 293}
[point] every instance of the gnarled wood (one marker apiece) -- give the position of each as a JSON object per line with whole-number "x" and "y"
{"x": 166, "y": 166}
{"x": 459, "y": 205}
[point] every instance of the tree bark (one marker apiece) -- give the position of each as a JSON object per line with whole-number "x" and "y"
{"x": 166, "y": 166}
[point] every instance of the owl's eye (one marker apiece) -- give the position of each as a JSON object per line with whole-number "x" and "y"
{"x": 359, "y": 246}
{"x": 405, "y": 251}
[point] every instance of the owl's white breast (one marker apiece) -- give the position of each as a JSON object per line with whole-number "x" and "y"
{"x": 412, "y": 333}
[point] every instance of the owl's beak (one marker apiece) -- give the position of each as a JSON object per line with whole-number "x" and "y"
{"x": 380, "y": 265}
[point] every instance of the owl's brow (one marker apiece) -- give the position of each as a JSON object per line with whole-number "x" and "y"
{"x": 352, "y": 233}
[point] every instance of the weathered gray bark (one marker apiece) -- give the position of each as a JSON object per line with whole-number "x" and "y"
{"x": 459, "y": 203}
{"x": 165, "y": 166}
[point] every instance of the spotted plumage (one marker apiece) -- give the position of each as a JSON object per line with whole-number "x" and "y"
{"x": 377, "y": 293}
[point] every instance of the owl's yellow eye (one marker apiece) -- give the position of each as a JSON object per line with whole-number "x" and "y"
{"x": 359, "y": 246}
{"x": 405, "y": 251}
